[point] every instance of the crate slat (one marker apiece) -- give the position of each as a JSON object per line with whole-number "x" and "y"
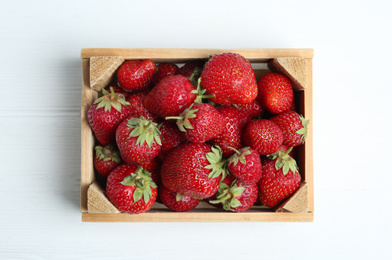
{"x": 199, "y": 217}
{"x": 257, "y": 55}
{"x": 87, "y": 138}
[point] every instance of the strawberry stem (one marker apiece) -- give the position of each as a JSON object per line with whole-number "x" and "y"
{"x": 200, "y": 93}
{"x": 174, "y": 117}
{"x": 224, "y": 198}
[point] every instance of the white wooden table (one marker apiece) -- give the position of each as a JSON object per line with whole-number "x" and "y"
{"x": 40, "y": 71}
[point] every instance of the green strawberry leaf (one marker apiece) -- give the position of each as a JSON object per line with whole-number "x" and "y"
{"x": 111, "y": 99}
{"x": 217, "y": 165}
{"x": 234, "y": 203}
{"x": 303, "y": 131}
{"x": 237, "y": 191}
{"x": 146, "y": 131}
{"x": 200, "y": 93}
{"x": 137, "y": 195}
{"x": 146, "y": 195}
{"x": 239, "y": 155}
{"x": 284, "y": 161}
{"x": 143, "y": 181}
{"x": 227, "y": 196}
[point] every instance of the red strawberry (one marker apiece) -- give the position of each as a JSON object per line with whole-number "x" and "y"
{"x": 280, "y": 178}
{"x": 131, "y": 189}
{"x": 164, "y": 70}
{"x": 171, "y": 137}
{"x": 253, "y": 109}
{"x": 200, "y": 122}
{"x": 106, "y": 114}
{"x": 192, "y": 70}
{"x": 106, "y": 159}
{"x": 171, "y": 96}
{"x": 275, "y": 92}
{"x": 138, "y": 139}
{"x": 189, "y": 68}
{"x": 293, "y": 105}
{"x": 118, "y": 89}
{"x": 245, "y": 165}
{"x": 176, "y": 201}
{"x": 136, "y": 75}
{"x": 263, "y": 135}
{"x": 193, "y": 170}
{"x": 294, "y": 127}
{"x": 153, "y": 167}
{"x": 236, "y": 196}
{"x": 231, "y": 136}
{"x": 138, "y": 108}
{"x": 230, "y": 77}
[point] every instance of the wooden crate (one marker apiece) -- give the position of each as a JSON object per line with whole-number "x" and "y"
{"x": 295, "y": 63}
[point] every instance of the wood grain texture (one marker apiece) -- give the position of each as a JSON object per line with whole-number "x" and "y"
{"x": 199, "y": 217}
{"x": 298, "y": 202}
{"x": 97, "y": 202}
{"x": 102, "y": 69}
{"x": 308, "y": 114}
{"x": 87, "y": 138}
{"x": 292, "y": 67}
{"x": 166, "y": 55}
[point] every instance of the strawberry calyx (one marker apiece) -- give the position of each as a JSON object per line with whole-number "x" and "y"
{"x": 108, "y": 153}
{"x": 200, "y": 93}
{"x": 143, "y": 182}
{"x": 183, "y": 120}
{"x": 284, "y": 161}
{"x": 227, "y": 196}
{"x": 146, "y": 131}
{"x": 111, "y": 99}
{"x": 303, "y": 131}
{"x": 217, "y": 165}
{"x": 239, "y": 155}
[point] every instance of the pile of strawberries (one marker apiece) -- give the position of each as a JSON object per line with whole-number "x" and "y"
{"x": 206, "y": 131}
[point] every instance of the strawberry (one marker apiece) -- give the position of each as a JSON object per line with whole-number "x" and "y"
{"x": 136, "y": 75}
{"x": 253, "y": 109}
{"x": 138, "y": 139}
{"x": 263, "y": 135}
{"x": 131, "y": 189}
{"x": 235, "y": 196}
{"x": 280, "y": 178}
{"x": 153, "y": 167}
{"x": 200, "y": 122}
{"x": 106, "y": 113}
{"x": 245, "y": 165}
{"x": 170, "y": 97}
{"x": 138, "y": 108}
{"x": 164, "y": 70}
{"x": 171, "y": 137}
{"x": 118, "y": 89}
{"x": 193, "y": 170}
{"x": 176, "y": 201}
{"x": 191, "y": 70}
{"x": 106, "y": 159}
{"x": 294, "y": 127}
{"x": 275, "y": 92}
{"x": 230, "y": 77}
{"x": 231, "y": 136}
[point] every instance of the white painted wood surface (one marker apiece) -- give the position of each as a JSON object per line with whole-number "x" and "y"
{"x": 40, "y": 76}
